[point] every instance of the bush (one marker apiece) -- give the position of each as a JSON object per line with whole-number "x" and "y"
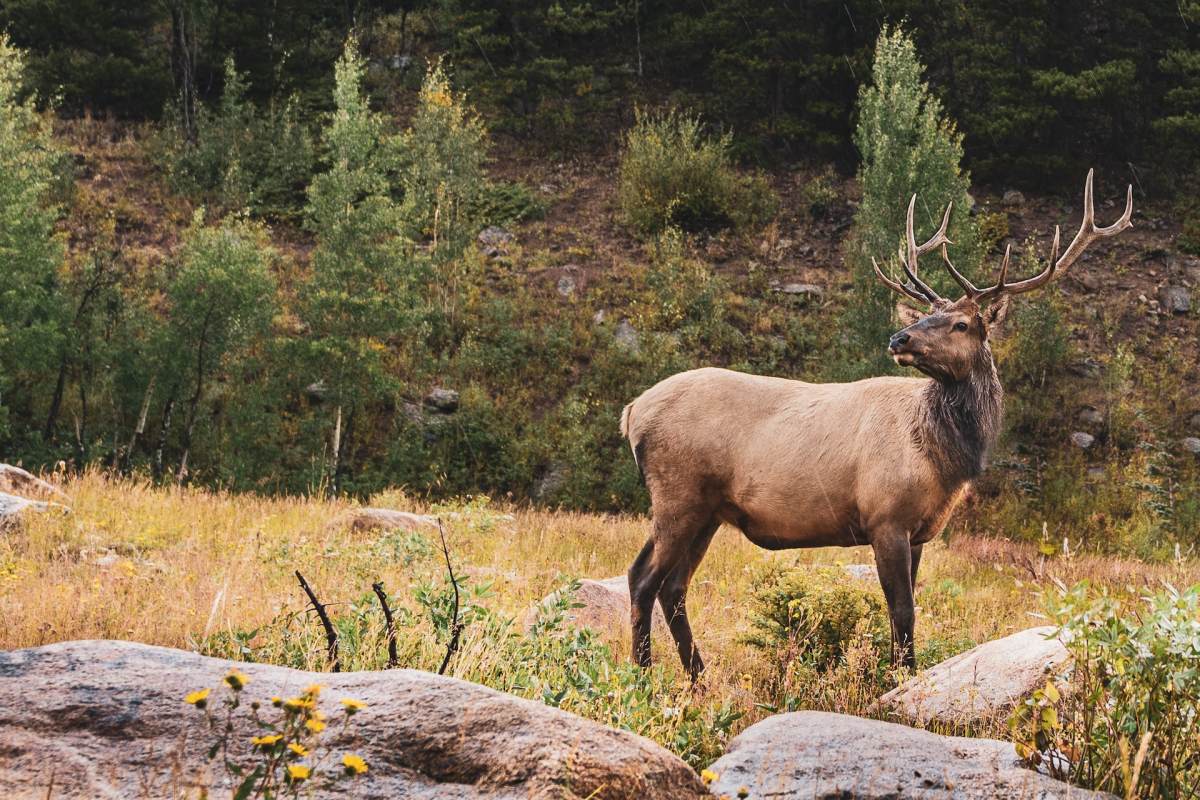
{"x": 1125, "y": 717}
{"x": 240, "y": 157}
{"x": 815, "y": 614}
{"x": 673, "y": 175}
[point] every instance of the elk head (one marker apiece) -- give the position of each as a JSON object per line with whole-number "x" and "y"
{"x": 947, "y": 341}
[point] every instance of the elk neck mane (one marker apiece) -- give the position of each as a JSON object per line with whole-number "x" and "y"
{"x": 960, "y": 419}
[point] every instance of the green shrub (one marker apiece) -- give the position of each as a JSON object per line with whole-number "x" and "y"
{"x": 673, "y": 175}
{"x": 1125, "y": 717}
{"x": 1033, "y": 354}
{"x": 505, "y": 203}
{"x": 820, "y": 194}
{"x": 815, "y": 614}
{"x": 240, "y": 156}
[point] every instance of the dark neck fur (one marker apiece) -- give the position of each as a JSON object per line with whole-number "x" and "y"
{"x": 961, "y": 419}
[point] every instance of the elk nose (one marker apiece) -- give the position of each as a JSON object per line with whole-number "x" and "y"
{"x": 898, "y": 341}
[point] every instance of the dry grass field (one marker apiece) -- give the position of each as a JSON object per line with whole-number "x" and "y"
{"x": 214, "y": 572}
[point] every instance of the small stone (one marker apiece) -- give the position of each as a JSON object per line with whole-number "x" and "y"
{"x": 627, "y": 337}
{"x": 861, "y": 572}
{"x": 442, "y": 400}
{"x": 598, "y": 317}
{"x": 1191, "y": 444}
{"x": 801, "y": 289}
{"x": 1090, "y": 415}
{"x": 1082, "y": 440}
{"x": 1096, "y": 473}
{"x": 1013, "y": 198}
{"x": 566, "y": 286}
{"x": 317, "y": 391}
{"x": 1175, "y": 299}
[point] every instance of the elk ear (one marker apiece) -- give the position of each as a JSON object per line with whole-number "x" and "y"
{"x": 995, "y": 314}
{"x": 907, "y": 315}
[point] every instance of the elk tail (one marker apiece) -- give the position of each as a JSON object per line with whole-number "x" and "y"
{"x": 636, "y": 447}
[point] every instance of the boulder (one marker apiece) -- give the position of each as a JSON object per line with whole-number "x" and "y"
{"x": 627, "y": 337}
{"x": 12, "y": 507}
{"x": 444, "y": 401}
{"x": 361, "y": 520}
{"x": 806, "y": 289}
{"x": 605, "y": 608}
{"x": 1013, "y": 198}
{"x": 105, "y": 719}
{"x": 1174, "y": 300}
{"x": 983, "y": 683}
{"x": 815, "y": 754}
{"x": 1191, "y": 444}
{"x": 14, "y": 480}
{"x": 1082, "y": 440}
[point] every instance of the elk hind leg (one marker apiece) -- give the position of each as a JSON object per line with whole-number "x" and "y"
{"x": 673, "y": 599}
{"x": 668, "y": 546}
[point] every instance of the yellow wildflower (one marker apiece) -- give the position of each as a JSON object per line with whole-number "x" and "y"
{"x": 315, "y": 725}
{"x": 354, "y": 764}
{"x": 298, "y": 772}
{"x": 198, "y": 698}
{"x": 298, "y": 703}
{"x": 708, "y": 776}
{"x": 298, "y": 749}
{"x": 237, "y": 680}
{"x": 266, "y": 741}
{"x": 277, "y": 701}
{"x": 353, "y": 706}
{"x": 312, "y": 691}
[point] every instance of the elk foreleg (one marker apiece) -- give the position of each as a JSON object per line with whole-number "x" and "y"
{"x": 895, "y": 563}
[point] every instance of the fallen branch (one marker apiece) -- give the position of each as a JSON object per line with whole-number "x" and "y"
{"x": 330, "y": 635}
{"x": 456, "y": 626}
{"x": 390, "y": 626}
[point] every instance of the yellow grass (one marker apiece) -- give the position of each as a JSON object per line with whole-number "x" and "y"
{"x": 175, "y": 566}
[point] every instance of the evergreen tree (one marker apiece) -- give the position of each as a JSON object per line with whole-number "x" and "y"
{"x": 31, "y": 306}
{"x": 907, "y": 146}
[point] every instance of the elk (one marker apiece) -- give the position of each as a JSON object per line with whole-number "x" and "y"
{"x": 881, "y": 461}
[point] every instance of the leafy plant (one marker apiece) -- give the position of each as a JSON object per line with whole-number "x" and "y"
{"x": 1128, "y": 708}
{"x": 674, "y": 175}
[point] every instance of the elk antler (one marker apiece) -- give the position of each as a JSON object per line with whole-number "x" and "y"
{"x": 1088, "y": 233}
{"x": 919, "y": 290}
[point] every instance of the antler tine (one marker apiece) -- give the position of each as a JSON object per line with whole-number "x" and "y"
{"x": 966, "y": 285}
{"x": 1088, "y": 233}
{"x": 898, "y": 287}
{"x": 915, "y": 251}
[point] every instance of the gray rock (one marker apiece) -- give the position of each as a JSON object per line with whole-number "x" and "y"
{"x": 317, "y": 391}
{"x": 1082, "y": 440}
{"x": 598, "y": 317}
{"x": 13, "y": 507}
{"x": 604, "y": 608}
{"x": 806, "y": 289}
{"x": 444, "y": 401}
{"x": 103, "y": 719}
{"x": 566, "y": 286}
{"x": 1090, "y": 415}
{"x": 862, "y": 572}
{"x": 982, "y": 684}
{"x": 554, "y": 478}
{"x": 360, "y": 520}
{"x": 14, "y": 480}
{"x": 492, "y": 236}
{"x": 1013, "y": 198}
{"x": 815, "y": 754}
{"x": 1175, "y": 299}
{"x": 1191, "y": 444}
{"x": 627, "y": 337}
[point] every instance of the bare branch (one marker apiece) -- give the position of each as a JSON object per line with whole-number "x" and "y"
{"x": 330, "y": 634}
{"x": 456, "y": 625}
{"x": 389, "y": 625}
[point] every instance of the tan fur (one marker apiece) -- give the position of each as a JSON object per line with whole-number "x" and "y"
{"x": 791, "y": 464}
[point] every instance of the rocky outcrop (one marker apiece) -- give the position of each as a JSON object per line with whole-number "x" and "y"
{"x": 103, "y": 719}
{"x": 604, "y": 607}
{"x": 361, "y": 520}
{"x": 813, "y": 754}
{"x": 12, "y": 507}
{"x": 981, "y": 684}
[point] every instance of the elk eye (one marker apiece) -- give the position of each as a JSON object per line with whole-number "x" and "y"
{"x": 960, "y": 326}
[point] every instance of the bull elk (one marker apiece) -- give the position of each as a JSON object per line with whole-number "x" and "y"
{"x": 881, "y": 461}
